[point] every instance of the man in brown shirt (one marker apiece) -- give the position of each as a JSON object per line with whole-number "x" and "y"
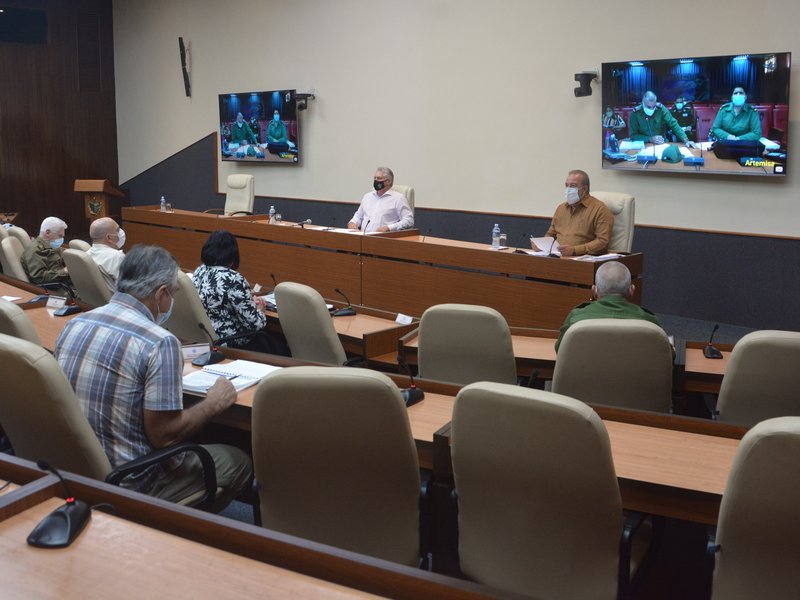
{"x": 582, "y": 224}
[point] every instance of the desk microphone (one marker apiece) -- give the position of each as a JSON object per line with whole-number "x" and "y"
{"x": 366, "y": 225}
{"x": 347, "y": 310}
{"x": 302, "y": 224}
{"x": 274, "y": 281}
{"x": 550, "y": 252}
{"x": 426, "y": 234}
{"x": 60, "y": 527}
{"x": 213, "y": 356}
{"x": 413, "y": 394}
{"x": 518, "y": 250}
{"x": 711, "y": 351}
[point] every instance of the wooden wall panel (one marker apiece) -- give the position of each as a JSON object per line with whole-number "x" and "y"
{"x": 51, "y": 132}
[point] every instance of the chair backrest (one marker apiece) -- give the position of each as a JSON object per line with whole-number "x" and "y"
{"x": 539, "y": 508}
{"x": 79, "y": 244}
{"x": 618, "y": 362}
{"x": 86, "y": 277}
{"x": 307, "y": 324}
{"x": 14, "y": 322}
{"x": 11, "y": 258}
{"x": 758, "y": 516}
{"x": 241, "y": 193}
{"x": 336, "y": 462}
{"x": 40, "y": 413}
{"x": 407, "y": 191}
{"x": 623, "y": 207}
{"x": 762, "y": 378}
{"x": 21, "y": 235}
{"x": 187, "y": 314}
{"x": 463, "y": 343}
{"x": 3, "y": 232}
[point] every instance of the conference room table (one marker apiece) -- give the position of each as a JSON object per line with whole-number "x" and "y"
{"x": 399, "y": 272}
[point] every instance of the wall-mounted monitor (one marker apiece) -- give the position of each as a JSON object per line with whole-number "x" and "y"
{"x": 726, "y": 115}
{"x": 259, "y": 127}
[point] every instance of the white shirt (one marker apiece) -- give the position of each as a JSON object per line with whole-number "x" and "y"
{"x": 390, "y": 209}
{"x": 109, "y": 260}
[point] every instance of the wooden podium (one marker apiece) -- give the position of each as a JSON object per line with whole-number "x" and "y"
{"x": 100, "y": 199}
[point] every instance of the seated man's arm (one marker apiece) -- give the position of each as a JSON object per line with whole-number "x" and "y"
{"x": 358, "y": 217}
{"x": 168, "y": 427}
{"x": 603, "y": 223}
{"x": 406, "y": 217}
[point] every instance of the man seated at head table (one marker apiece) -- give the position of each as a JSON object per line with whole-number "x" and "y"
{"x": 612, "y": 291}
{"x": 382, "y": 209}
{"x": 582, "y": 224}
{"x": 108, "y": 238}
{"x": 649, "y": 122}
{"x": 42, "y": 260}
{"x": 126, "y": 371}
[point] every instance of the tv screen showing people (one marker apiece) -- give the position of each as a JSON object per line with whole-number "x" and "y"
{"x": 259, "y": 127}
{"x": 722, "y": 114}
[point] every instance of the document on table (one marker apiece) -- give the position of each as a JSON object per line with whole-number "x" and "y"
{"x": 601, "y": 258}
{"x": 546, "y": 245}
{"x": 241, "y": 373}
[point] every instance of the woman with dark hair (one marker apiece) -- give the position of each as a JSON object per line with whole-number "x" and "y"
{"x": 226, "y": 295}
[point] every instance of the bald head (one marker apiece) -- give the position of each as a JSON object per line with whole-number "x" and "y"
{"x": 613, "y": 279}
{"x": 102, "y": 229}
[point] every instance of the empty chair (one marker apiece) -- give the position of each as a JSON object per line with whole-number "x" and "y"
{"x": 14, "y": 322}
{"x": 618, "y": 362}
{"x": 240, "y": 196}
{"x": 43, "y": 420}
{"x": 762, "y": 378}
{"x": 463, "y": 343}
{"x": 78, "y": 244}
{"x": 21, "y": 235}
{"x": 188, "y": 313}
{"x": 539, "y": 507}
{"x": 757, "y": 553}
{"x": 335, "y": 460}
{"x": 307, "y": 324}
{"x": 407, "y": 191}
{"x": 86, "y": 277}
{"x": 11, "y": 258}
{"x": 623, "y": 207}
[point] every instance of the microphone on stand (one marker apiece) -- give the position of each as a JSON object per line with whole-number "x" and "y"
{"x": 213, "y": 356}
{"x": 413, "y": 394}
{"x": 303, "y": 224}
{"x": 366, "y": 225}
{"x": 710, "y": 350}
{"x": 347, "y": 310}
{"x": 62, "y": 526}
{"x": 426, "y": 234}
{"x": 550, "y": 251}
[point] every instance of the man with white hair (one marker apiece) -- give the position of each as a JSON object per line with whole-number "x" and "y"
{"x": 42, "y": 259}
{"x": 108, "y": 238}
{"x": 382, "y": 209}
{"x": 612, "y": 291}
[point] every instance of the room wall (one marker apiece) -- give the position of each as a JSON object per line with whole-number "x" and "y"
{"x": 470, "y": 101}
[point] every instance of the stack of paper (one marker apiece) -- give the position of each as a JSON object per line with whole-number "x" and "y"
{"x": 241, "y": 373}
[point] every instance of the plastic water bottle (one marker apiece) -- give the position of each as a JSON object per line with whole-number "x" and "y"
{"x": 608, "y": 139}
{"x": 163, "y": 207}
{"x": 496, "y": 236}
{"x": 272, "y": 215}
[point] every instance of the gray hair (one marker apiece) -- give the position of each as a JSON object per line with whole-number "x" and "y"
{"x": 583, "y": 175}
{"x": 53, "y": 224}
{"x": 145, "y": 269}
{"x": 387, "y": 172}
{"x": 648, "y": 95}
{"x": 613, "y": 279}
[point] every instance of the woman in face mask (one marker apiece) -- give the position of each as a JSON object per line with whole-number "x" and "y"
{"x": 737, "y": 120}
{"x": 276, "y": 132}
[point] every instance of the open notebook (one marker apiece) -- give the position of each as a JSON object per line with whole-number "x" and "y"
{"x": 241, "y": 373}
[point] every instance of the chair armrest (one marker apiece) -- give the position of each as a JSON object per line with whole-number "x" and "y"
{"x": 631, "y": 523}
{"x": 215, "y": 211}
{"x": 158, "y": 456}
{"x": 240, "y": 212}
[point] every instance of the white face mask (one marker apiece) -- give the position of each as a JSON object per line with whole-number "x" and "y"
{"x": 648, "y": 111}
{"x": 572, "y": 195}
{"x": 164, "y": 317}
{"x": 121, "y": 240}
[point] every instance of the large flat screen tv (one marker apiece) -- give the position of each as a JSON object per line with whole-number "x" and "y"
{"x": 259, "y": 127}
{"x": 734, "y": 109}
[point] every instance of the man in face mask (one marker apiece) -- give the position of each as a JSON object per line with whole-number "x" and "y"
{"x": 650, "y": 120}
{"x": 241, "y": 132}
{"x": 42, "y": 259}
{"x": 737, "y": 120}
{"x": 108, "y": 239}
{"x": 684, "y": 114}
{"x": 582, "y": 224}
{"x": 382, "y": 209}
{"x": 126, "y": 371}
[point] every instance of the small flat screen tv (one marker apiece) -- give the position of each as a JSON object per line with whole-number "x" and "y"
{"x": 697, "y": 102}
{"x": 259, "y": 127}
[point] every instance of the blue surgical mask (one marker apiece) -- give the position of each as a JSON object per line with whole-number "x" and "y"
{"x": 738, "y": 99}
{"x": 164, "y": 317}
{"x": 679, "y": 105}
{"x": 276, "y": 118}
{"x": 648, "y": 111}
{"x": 57, "y": 243}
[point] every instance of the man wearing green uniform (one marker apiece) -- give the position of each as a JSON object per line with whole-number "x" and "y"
{"x": 42, "y": 259}
{"x": 613, "y": 290}
{"x": 241, "y": 132}
{"x": 649, "y": 122}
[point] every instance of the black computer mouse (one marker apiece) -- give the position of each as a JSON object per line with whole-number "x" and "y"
{"x": 60, "y": 527}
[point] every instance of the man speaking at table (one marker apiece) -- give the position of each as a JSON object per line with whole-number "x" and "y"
{"x": 582, "y": 224}
{"x": 382, "y": 209}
